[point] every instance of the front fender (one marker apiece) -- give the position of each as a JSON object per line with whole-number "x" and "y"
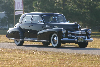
{"x": 46, "y": 34}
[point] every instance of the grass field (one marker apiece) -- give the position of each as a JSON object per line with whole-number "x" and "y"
{"x": 3, "y": 32}
{"x": 26, "y": 58}
{"x": 29, "y": 58}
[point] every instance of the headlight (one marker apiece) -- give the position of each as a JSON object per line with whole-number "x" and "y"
{"x": 89, "y": 36}
{"x": 63, "y": 31}
{"x": 89, "y": 31}
{"x": 79, "y": 27}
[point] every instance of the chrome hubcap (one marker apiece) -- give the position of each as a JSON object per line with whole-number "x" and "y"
{"x": 17, "y": 42}
{"x": 55, "y": 40}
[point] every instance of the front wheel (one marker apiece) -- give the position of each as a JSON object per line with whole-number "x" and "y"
{"x": 83, "y": 44}
{"x": 55, "y": 40}
{"x": 18, "y": 42}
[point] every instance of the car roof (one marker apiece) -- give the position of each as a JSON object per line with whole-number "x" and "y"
{"x": 40, "y": 13}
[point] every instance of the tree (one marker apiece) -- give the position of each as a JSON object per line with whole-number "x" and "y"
{"x": 28, "y": 6}
{"x": 86, "y": 12}
{"x": 8, "y": 7}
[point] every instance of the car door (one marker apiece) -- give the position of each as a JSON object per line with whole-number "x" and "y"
{"x": 31, "y": 25}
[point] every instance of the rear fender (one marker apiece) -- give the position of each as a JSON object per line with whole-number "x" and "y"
{"x": 15, "y": 33}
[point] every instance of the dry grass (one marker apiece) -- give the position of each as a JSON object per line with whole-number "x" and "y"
{"x": 95, "y": 43}
{"x": 26, "y": 58}
{"x": 4, "y": 39}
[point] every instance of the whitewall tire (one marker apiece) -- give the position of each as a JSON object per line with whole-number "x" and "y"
{"x": 18, "y": 42}
{"x": 55, "y": 40}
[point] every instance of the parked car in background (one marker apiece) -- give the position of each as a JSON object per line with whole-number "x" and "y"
{"x": 48, "y": 28}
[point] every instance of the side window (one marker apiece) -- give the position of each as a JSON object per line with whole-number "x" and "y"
{"x": 36, "y": 19}
{"x": 46, "y": 18}
{"x": 27, "y": 19}
{"x": 49, "y": 18}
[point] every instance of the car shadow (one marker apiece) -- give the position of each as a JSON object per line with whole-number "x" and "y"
{"x": 72, "y": 47}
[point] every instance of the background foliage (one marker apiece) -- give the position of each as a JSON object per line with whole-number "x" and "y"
{"x": 85, "y": 12}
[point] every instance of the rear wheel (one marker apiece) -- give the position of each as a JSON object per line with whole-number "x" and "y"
{"x": 83, "y": 45}
{"x": 18, "y": 42}
{"x": 55, "y": 40}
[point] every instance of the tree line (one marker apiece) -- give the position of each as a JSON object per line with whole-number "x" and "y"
{"x": 85, "y": 12}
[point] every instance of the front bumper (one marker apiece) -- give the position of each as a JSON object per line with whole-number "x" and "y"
{"x": 66, "y": 40}
{"x": 77, "y": 36}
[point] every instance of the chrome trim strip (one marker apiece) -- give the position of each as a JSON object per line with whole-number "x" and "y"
{"x": 30, "y": 39}
{"x": 76, "y": 36}
{"x": 15, "y": 39}
{"x": 77, "y": 32}
{"x": 34, "y": 39}
{"x": 66, "y": 39}
{"x": 89, "y": 40}
{"x": 47, "y": 30}
{"x": 11, "y": 38}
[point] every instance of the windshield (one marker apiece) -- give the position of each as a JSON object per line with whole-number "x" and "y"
{"x": 54, "y": 18}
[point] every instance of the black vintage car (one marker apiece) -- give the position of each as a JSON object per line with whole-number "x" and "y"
{"x": 48, "y": 28}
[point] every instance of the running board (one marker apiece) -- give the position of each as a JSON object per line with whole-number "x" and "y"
{"x": 29, "y": 39}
